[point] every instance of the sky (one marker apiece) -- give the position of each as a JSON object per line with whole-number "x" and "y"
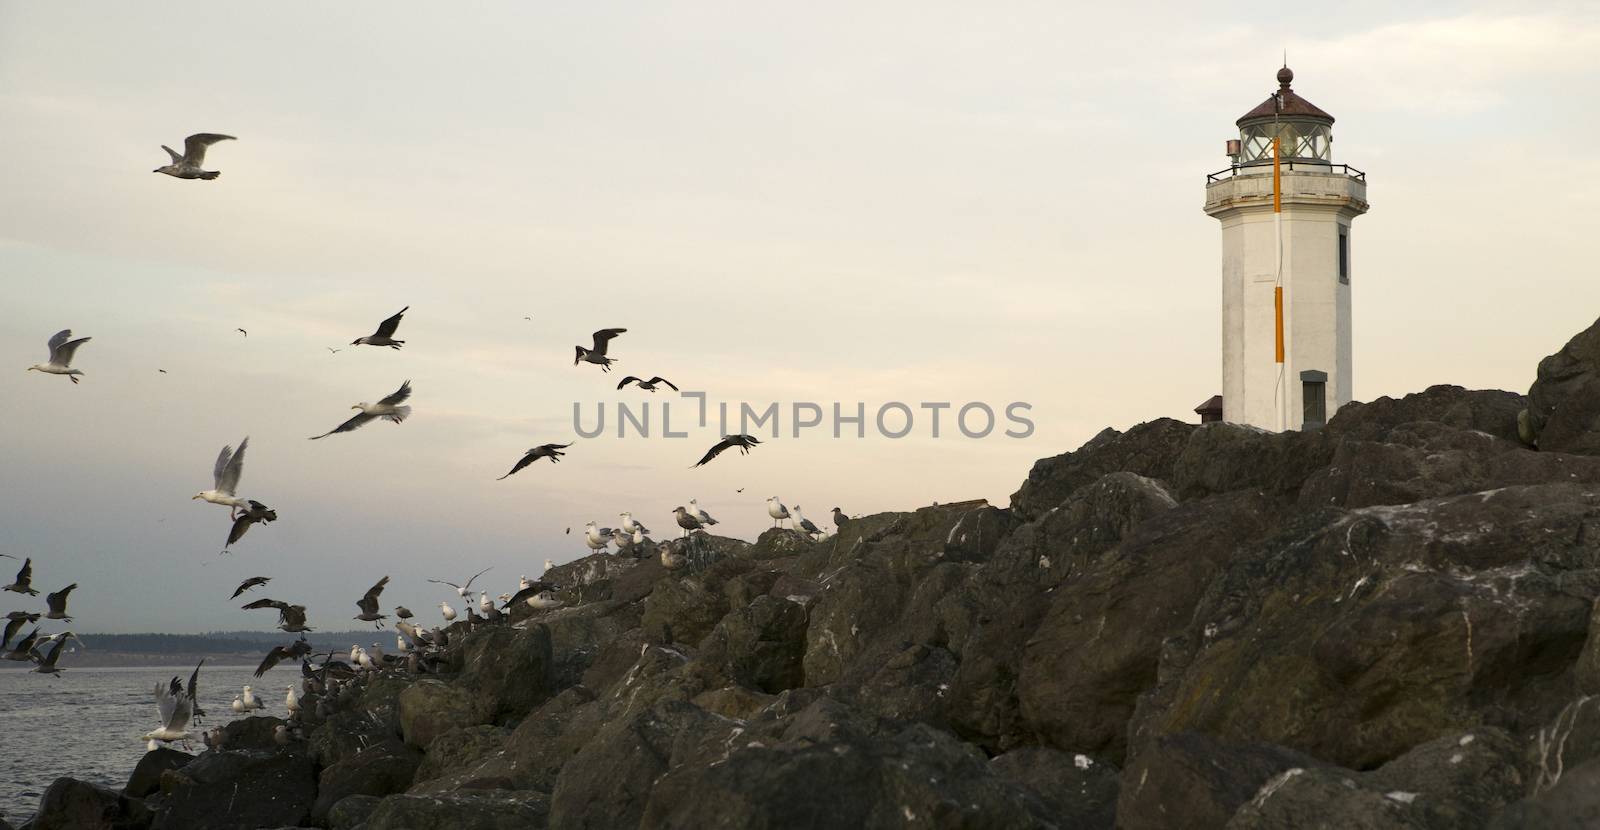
{"x": 824, "y": 202}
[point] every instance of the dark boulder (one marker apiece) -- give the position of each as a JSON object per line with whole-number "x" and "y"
{"x": 760, "y": 646}
{"x": 378, "y": 770}
{"x": 430, "y": 708}
{"x": 1197, "y": 781}
{"x": 146, "y": 777}
{"x": 507, "y": 672}
{"x": 1076, "y": 790}
{"x": 1489, "y": 411}
{"x": 70, "y": 804}
{"x": 1564, "y": 401}
{"x": 238, "y": 789}
{"x": 254, "y": 732}
{"x": 1572, "y": 803}
{"x": 454, "y": 754}
{"x": 1149, "y": 449}
{"x": 352, "y": 812}
{"x": 501, "y": 810}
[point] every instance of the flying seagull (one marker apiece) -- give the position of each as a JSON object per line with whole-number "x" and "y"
{"x": 806, "y": 524}
{"x": 14, "y": 625}
{"x": 296, "y": 650}
{"x": 58, "y": 604}
{"x": 225, "y": 479}
{"x": 597, "y": 355}
{"x": 463, "y": 590}
{"x": 384, "y": 336}
{"x": 331, "y": 350}
{"x": 61, "y": 351}
{"x": 47, "y": 663}
{"x": 243, "y": 332}
{"x": 187, "y": 166}
{"x": 250, "y": 583}
{"x": 646, "y": 385}
{"x": 24, "y": 583}
{"x": 369, "y": 604}
{"x": 23, "y": 650}
{"x": 703, "y": 516}
{"x": 194, "y": 681}
{"x": 388, "y": 408}
{"x": 291, "y": 618}
{"x": 254, "y": 512}
{"x": 550, "y": 451}
{"x": 176, "y": 708}
{"x": 743, "y": 442}
{"x": 776, "y": 510}
{"x": 686, "y": 521}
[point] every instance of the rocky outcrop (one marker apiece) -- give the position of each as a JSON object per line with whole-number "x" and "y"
{"x": 1390, "y": 622}
{"x": 69, "y": 804}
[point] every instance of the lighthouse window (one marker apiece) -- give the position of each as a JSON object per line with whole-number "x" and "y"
{"x": 1344, "y": 257}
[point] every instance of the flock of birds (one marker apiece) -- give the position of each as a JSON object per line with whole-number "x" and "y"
{"x": 333, "y": 679}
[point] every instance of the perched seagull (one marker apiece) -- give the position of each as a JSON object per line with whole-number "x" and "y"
{"x": 24, "y": 583}
{"x": 600, "y": 544}
{"x": 369, "y": 604}
{"x": 237, "y": 705}
{"x": 630, "y": 525}
{"x": 464, "y": 591}
{"x": 596, "y": 533}
{"x": 806, "y": 524}
{"x": 550, "y": 451}
{"x": 187, "y": 166}
{"x": 225, "y": 480}
{"x": 254, "y": 511}
{"x": 776, "y": 510}
{"x": 548, "y": 567}
{"x": 384, "y": 336}
{"x": 685, "y": 520}
{"x": 703, "y": 516}
{"x": 840, "y": 519}
{"x": 672, "y": 559}
{"x": 176, "y": 709}
{"x": 58, "y": 604}
{"x": 291, "y": 701}
{"x": 388, "y": 408}
{"x": 597, "y": 355}
{"x": 543, "y": 601}
{"x": 448, "y": 612}
{"x": 523, "y": 583}
{"x": 250, "y": 583}
{"x": 646, "y": 385}
{"x": 403, "y": 612}
{"x": 743, "y": 442}
{"x": 61, "y": 351}
{"x": 251, "y": 701}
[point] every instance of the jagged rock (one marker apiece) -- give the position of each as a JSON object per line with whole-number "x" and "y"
{"x": 238, "y": 789}
{"x": 760, "y": 646}
{"x": 459, "y": 750}
{"x": 430, "y": 708}
{"x": 1197, "y": 781}
{"x": 146, "y": 777}
{"x": 380, "y": 769}
{"x": 1356, "y": 635}
{"x": 507, "y": 672}
{"x": 1489, "y": 411}
{"x": 1076, "y": 790}
{"x": 582, "y": 641}
{"x": 682, "y": 610}
{"x": 734, "y": 702}
{"x": 503, "y": 810}
{"x": 1222, "y": 457}
{"x": 1572, "y": 803}
{"x": 780, "y": 543}
{"x": 1149, "y": 449}
{"x": 352, "y": 812}
{"x": 1564, "y": 401}
{"x": 70, "y": 804}
{"x": 536, "y": 750}
{"x": 1100, "y": 645}
{"x": 254, "y": 732}
{"x": 349, "y": 731}
{"x": 1459, "y": 781}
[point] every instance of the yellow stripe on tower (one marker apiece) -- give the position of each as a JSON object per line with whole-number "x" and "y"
{"x": 1277, "y": 220}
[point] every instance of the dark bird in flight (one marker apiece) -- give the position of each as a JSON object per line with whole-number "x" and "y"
{"x": 296, "y": 650}
{"x": 243, "y": 332}
{"x": 646, "y": 385}
{"x": 47, "y": 663}
{"x": 13, "y": 627}
{"x": 24, "y": 583}
{"x": 248, "y": 584}
{"x": 331, "y": 350}
{"x": 162, "y": 371}
{"x": 23, "y": 650}
{"x": 255, "y": 512}
{"x": 388, "y": 408}
{"x": 550, "y": 451}
{"x": 291, "y": 618}
{"x": 384, "y": 336}
{"x": 187, "y": 166}
{"x": 57, "y": 603}
{"x": 743, "y": 442}
{"x": 369, "y": 604}
{"x": 194, "y": 681}
{"x": 597, "y": 355}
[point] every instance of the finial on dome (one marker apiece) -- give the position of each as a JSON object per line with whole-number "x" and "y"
{"x": 1285, "y": 77}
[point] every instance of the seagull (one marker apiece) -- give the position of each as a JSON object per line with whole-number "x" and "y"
{"x": 331, "y": 350}
{"x": 402, "y": 612}
{"x": 254, "y": 512}
{"x": 485, "y": 605}
{"x": 250, "y": 583}
{"x": 672, "y": 559}
{"x": 61, "y": 351}
{"x": 47, "y": 663}
{"x": 448, "y": 612}
{"x": 523, "y": 583}
{"x": 225, "y": 479}
{"x": 646, "y": 385}
{"x": 840, "y": 519}
{"x": 548, "y": 567}
{"x": 600, "y": 544}
{"x": 703, "y": 516}
{"x": 187, "y": 166}
{"x": 776, "y": 510}
{"x": 743, "y": 442}
{"x": 291, "y": 701}
{"x": 176, "y": 709}
{"x": 243, "y": 332}
{"x": 22, "y": 652}
{"x": 806, "y": 524}
{"x": 550, "y": 451}
{"x": 597, "y": 355}
{"x": 237, "y": 705}
{"x": 194, "y": 701}
{"x": 251, "y": 701}
{"x": 14, "y": 625}
{"x": 686, "y": 521}
{"x": 24, "y": 583}
{"x": 630, "y": 525}
{"x": 384, "y": 336}
{"x": 544, "y": 600}
{"x": 291, "y": 618}
{"x": 465, "y": 591}
{"x": 369, "y": 604}
{"x": 58, "y": 604}
{"x": 388, "y": 408}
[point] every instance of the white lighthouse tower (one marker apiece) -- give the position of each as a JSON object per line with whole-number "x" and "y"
{"x": 1286, "y": 265}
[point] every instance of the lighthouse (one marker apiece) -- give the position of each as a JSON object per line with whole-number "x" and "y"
{"x": 1287, "y": 264}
